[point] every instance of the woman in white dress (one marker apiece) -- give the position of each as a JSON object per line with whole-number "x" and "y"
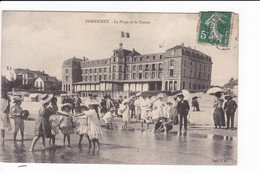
{"x": 4, "y": 117}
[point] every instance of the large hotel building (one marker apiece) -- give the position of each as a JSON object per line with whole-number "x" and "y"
{"x": 177, "y": 68}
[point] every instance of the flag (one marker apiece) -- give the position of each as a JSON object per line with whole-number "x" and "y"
{"x": 123, "y": 34}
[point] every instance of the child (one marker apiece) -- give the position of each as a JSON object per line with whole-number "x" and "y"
{"x": 54, "y": 121}
{"x": 83, "y": 125}
{"x": 94, "y": 131}
{"x": 108, "y": 118}
{"x": 16, "y": 111}
{"x": 125, "y": 112}
{"x": 66, "y": 124}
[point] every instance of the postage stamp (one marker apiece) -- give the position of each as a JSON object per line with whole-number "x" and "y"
{"x": 214, "y": 28}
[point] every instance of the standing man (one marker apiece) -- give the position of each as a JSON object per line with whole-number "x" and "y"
{"x": 183, "y": 109}
{"x": 230, "y": 108}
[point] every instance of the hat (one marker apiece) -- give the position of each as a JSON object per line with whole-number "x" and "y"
{"x": 160, "y": 95}
{"x": 17, "y": 98}
{"x": 125, "y": 101}
{"x": 193, "y": 98}
{"x": 180, "y": 95}
{"x": 45, "y": 98}
{"x": 112, "y": 109}
{"x": 228, "y": 97}
{"x": 218, "y": 94}
{"x": 138, "y": 94}
{"x": 66, "y": 105}
{"x": 25, "y": 114}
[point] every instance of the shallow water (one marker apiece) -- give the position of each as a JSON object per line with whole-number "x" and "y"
{"x": 130, "y": 147}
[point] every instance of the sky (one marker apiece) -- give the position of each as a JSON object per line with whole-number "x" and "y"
{"x": 43, "y": 40}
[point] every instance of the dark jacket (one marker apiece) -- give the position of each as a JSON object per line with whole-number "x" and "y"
{"x": 183, "y": 107}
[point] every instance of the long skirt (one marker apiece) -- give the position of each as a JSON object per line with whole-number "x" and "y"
{"x": 43, "y": 128}
{"x": 5, "y": 121}
{"x": 218, "y": 116}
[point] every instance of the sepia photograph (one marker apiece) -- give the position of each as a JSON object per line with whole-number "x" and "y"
{"x": 133, "y": 88}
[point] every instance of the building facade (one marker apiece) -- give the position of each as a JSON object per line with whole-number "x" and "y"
{"x": 127, "y": 70}
{"x": 46, "y": 82}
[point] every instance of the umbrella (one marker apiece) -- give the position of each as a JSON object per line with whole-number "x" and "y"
{"x": 193, "y": 98}
{"x": 213, "y": 90}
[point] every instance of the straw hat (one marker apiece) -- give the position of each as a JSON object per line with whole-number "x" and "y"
{"x": 66, "y": 105}
{"x": 17, "y": 98}
{"x": 45, "y": 98}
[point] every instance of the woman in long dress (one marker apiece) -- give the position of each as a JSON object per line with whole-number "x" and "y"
{"x": 218, "y": 115}
{"x": 43, "y": 127}
{"x": 4, "y": 117}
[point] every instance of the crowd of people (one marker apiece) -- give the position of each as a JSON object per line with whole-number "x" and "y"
{"x": 74, "y": 116}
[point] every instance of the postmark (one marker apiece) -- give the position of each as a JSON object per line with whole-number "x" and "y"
{"x": 214, "y": 28}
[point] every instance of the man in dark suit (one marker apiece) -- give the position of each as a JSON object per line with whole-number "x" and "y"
{"x": 183, "y": 109}
{"x": 230, "y": 108}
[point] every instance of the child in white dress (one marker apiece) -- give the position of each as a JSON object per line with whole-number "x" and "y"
{"x": 125, "y": 112}
{"x": 94, "y": 130}
{"x": 82, "y": 123}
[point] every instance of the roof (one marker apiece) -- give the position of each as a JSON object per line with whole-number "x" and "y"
{"x": 47, "y": 78}
{"x": 133, "y": 53}
{"x": 72, "y": 61}
{"x": 123, "y": 52}
{"x": 22, "y": 71}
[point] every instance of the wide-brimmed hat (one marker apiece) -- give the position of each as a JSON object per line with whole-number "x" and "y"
{"x": 180, "y": 95}
{"x": 112, "y": 109}
{"x": 228, "y": 97}
{"x": 69, "y": 105}
{"x": 45, "y": 98}
{"x": 218, "y": 94}
{"x": 17, "y": 98}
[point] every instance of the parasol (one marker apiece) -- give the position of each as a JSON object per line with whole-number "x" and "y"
{"x": 213, "y": 90}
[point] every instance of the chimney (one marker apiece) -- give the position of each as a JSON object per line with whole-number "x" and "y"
{"x": 84, "y": 58}
{"x": 120, "y": 45}
{"x": 182, "y": 44}
{"x": 133, "y": 49}
{"x": 43, "y": 72}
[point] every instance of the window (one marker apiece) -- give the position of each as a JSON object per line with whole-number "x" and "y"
{"x": 134, "y": 76}
{"x": 141, "y": 58}
{"x": 146, "y": 76}
{"x": 105, "y": 62}
{"x": 159, "y": 74}
{"x": 100, "y": 70}
{"x": 184, "y": 63}
{"x": 204, "y": 67}
{"x": 90, "y": 78}
{"x": 140, "y": 67}
{"x": 170, "y": 85}
{"x": 175, "y": 85}
{"x": 105, "y": 69}
{"x": 183, "y": 85}
{"x": 190, "y": 85}
{"x": 127, "y": 76}
{"x": 147, "y": 58}
{"x": 166, "y": 85}
{"x": 190, "y": 73}
{"x": 86, "y": 71}
{"x": 127, "y": 68}
{"x": 199, "y": 75}
{"x": 153, "y": 75}
{"x": 172, "y": 63}
{"x": 105, "y": 77}
{"x": 120, "y": 76}
{"x": 114, "y": 68}
{"x": 153, "y": 66}
{"x": 191, "y": 64}
{"x": 140, "y": 75}
{"x": 114, "y": 76}
{"x": 109, "y": 76}
{"x": 67, "y": 78}
{"x": 120, "y": 68}
{"x": 100, "y": 77}
{"x": 90, "y": 70}
{"x": 160, "y": 66}
{"x": 95, "y": 78}
{"x": 67, "y": 70}
{"x": 146, "y": 67}
{"x": 95, "y": 70}
{"x": 134, "y": 59}
{"x": 114, "y": 59}
{"x": 171, "y": 72}
{"x": 127, "y": 59}
{"x": 134, "y": 67}
{"x": 160, "y": 56}
{"x": 109, "y": 69}
{"x": 86, "y": 78}
{"x": 154, "y": 57}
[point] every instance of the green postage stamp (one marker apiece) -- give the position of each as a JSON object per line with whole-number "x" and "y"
{"x": 214, "y": 28}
